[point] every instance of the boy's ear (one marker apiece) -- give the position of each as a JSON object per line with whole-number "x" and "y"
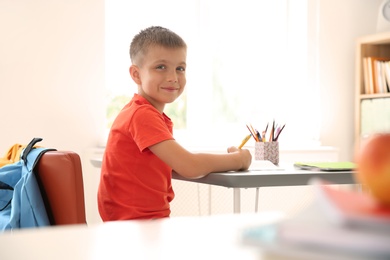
{"x": 134, "y": 73}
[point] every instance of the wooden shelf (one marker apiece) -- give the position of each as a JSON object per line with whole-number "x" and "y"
{"x": 377, "y": 45}
{"x": 371, "y": 96}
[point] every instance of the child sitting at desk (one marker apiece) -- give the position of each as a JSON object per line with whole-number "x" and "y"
{"x": 141, "y": 152}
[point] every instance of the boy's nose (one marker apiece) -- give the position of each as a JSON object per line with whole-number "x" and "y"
{"x": 172, "y": 76}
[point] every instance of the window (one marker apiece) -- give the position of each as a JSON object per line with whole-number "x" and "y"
{"x": 249, "y": 62}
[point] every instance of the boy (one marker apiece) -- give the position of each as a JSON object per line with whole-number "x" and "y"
{"x": 141, "y": 151}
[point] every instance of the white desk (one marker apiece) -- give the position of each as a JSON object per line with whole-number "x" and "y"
{"x": 288, "y": 176}
{"x": 211, "y": 237}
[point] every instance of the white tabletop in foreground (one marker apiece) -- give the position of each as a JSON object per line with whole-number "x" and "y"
{"x": 213, "y": 237}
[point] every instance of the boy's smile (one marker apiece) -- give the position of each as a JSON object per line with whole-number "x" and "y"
{"x": 160, "y": 75}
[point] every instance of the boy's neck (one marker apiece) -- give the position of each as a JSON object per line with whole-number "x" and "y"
{"x": 160, "y": 108}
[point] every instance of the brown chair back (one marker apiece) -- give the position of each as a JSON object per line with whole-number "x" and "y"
{"x": 59, "y": 176}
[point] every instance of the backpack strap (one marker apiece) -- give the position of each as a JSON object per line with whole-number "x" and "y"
{"x": 29, "y": 147}
{"x": 5, "y": 186}
{"x": 31, "y": 155}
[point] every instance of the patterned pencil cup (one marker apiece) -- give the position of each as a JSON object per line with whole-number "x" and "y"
{"x": 267, "y": 151}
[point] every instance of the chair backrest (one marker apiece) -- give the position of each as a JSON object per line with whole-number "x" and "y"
{"x": 59, "y": 176}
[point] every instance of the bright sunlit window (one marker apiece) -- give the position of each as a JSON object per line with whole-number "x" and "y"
{"x": 249, "y": 62}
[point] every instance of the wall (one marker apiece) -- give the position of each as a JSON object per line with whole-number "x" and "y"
{"x": 341, "y": 22}
{"x": 52, "y": 75}
{"x": 52, "y": 72}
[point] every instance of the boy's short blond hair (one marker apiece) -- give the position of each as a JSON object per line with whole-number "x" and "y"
{"x": 153, "y": 36}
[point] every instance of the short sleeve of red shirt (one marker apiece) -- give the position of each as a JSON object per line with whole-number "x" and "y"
{"x": 135, "y": 184}
{"x": 148, "y": 127}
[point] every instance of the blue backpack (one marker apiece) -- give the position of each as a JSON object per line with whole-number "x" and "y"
{"x": 21, "y": 203}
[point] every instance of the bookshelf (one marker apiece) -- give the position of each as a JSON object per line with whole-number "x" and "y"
{"x": 372, "y": 109}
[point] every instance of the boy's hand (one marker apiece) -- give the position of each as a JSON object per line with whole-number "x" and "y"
{"x": 232, "y": 149}
{"x": 245, "y": 156}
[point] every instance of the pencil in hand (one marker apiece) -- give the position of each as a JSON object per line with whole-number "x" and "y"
{"x": 244, "y": 141}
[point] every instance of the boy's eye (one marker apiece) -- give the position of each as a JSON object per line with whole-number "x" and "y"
{"x": 161, "y": 67}
{"x": 181, "y": 69}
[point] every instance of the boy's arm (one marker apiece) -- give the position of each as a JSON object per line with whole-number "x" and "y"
{"x": 196, "y": 165}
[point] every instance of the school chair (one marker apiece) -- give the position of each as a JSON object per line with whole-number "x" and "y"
{"x": 60, "y": 179}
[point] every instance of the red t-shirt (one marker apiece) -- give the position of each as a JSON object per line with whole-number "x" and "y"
{"x": 135, "y": 183}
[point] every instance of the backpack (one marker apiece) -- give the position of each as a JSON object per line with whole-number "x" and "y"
{"x": 21, "y": 203}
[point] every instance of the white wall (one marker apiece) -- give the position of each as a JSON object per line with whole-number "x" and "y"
{"x": 52, "y": 74}
{"x": 341, "y": 22}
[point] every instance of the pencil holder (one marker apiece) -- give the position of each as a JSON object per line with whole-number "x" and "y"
{"x": 267, "y": 151}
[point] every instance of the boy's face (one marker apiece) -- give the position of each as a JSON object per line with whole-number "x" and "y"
{"x": 160, "y": 76}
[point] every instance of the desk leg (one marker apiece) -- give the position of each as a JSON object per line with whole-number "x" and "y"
{"x": 236, "y": 200}
{"x": 257, "y": 200}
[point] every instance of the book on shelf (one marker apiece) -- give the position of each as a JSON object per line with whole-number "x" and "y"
{"x": 387, "y": 75}
{"x": 366, "y": 76}
{"x": 369, "y": 88}
{"x": 339, "y": 223}
{"x": 376, "y": 75}
{"x": 380, "y": 76}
